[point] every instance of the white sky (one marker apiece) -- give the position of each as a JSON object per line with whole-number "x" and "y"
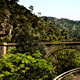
{"x": 56, "y": 8}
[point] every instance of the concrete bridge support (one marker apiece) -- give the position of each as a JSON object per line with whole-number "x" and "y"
{"x": 4, "y": 47}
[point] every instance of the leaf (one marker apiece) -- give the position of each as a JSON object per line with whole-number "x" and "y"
{"x": 27, "y": 68}
{"x": 1, "y": 75}
{"x": 22, "y": 66}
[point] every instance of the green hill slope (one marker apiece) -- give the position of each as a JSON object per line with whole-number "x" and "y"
{"x": 70, "y": 26}
{"x": 19, "y": 25}
{"x": 15, "y": 17}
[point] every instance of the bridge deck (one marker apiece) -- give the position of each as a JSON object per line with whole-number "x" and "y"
{"x": 65, "y": 42}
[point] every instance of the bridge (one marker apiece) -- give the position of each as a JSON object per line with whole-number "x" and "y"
{"x": 48, "y": 46}
{"x": 73, "y": 74}
{"x": 72, "y": 45}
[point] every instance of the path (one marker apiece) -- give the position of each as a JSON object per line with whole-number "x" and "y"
{"x": 77, "y": 77}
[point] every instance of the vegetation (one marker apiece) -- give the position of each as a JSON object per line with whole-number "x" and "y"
{"x": 20, "y": 66}
{"x": 64, "y": 59}
{"x": 24, "y": 18}
{"x": 45, "y": 18}
{"x": 70, "y": 26}
{"x": 31, "y": 8}
{"x": 27, "y": 61}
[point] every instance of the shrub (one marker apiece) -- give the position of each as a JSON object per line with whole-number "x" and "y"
{"x": 6, "y": 39}
{"x": 25, "y": 66}
{"x": 66, "y": 59}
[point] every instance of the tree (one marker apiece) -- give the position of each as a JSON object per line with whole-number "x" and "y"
{"x": 45, "y": 18}
{"x": 27, "y": 41}
{"x": 62, "y": 32}
{"x": 78, "y": 37}
{"x": 39, "y": 14}
{"x": 13, "y": 1}
{"x": 64, "y": 59}
{"x": 51, "y": 22}
{"x": 31, "y": 8}
{"x": 3, "y": 1}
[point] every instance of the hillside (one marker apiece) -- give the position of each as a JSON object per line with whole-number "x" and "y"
{"x": 70, "y": 26}
{"x": 15, "y": 17}
{"x": 28, "y": 60}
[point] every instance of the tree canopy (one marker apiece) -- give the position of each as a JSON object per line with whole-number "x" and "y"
{"x": 18, "y": 66}
{"x": 31, "y": 8}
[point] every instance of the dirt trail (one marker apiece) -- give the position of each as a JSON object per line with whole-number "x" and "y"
{"x": 77, "y": 77}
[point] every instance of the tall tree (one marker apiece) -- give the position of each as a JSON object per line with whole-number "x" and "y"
{"x": 13, "y": 1}
{"x": 45, "y": 18}
{"x": 39, "y": 14}
{"x": 31, "y": 8}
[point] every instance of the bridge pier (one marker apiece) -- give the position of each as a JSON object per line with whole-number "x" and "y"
{"x": 4, "y": 47}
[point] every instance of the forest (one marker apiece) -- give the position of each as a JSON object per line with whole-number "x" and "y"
{"x": 27, "y": 60}
{"x": 70, "y": 26}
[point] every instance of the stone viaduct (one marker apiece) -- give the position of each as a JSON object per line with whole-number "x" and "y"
{"x": 48, "y": 46}
{"x": 71, "y": 44}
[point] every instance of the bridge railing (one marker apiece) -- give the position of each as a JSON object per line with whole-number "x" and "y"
{"x": 65, "y": 74}
{"x": 64, "y": 42}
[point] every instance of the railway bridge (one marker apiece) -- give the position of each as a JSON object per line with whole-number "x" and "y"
{"x": 48, "y": 46}
{"x": 72, "y": 45}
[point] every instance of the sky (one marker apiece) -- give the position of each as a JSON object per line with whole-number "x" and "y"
{"x": 69, "y": 9}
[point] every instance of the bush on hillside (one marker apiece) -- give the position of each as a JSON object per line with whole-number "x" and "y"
{"x": 18, "y": 66}
{"x": 65, "y": 59}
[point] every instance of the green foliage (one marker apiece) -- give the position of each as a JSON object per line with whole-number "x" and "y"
{"x": 31, "y": 8}
{"x": 3, "y": 13}
{"x": 39, "y": 14}
{"x": 2, "y": 2}
{"x": 45, "y": 18}
{"x": 22, "y": 18}
{"x": 13, "y": 1}
{"x": 27, "y": 41}
{"x": 51, "y": 22}
{"x": 6, "y": 39}
{"x": 48, "y": 38}
{"x": 25, "y": 66}
{"x": 28, "y": 31}
{"x": 70, "y": 26}
{"x": 65, "y": 59}
{"x": 43, "y": 31}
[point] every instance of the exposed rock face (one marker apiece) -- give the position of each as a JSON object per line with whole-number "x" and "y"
{"x": 5, "y": 27}
{"x": 7, "y": 13}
